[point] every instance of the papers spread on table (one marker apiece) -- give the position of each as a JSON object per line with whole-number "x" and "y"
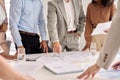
{"x": 63, "y": 67}
{"x": 101, "y": 27}
{"x": 65, "y": 62}
{"x": 67, "y": 57}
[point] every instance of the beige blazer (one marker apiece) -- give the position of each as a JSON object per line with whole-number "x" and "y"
{"x": 112, "y": 43}
{"x": 57, "y": 19}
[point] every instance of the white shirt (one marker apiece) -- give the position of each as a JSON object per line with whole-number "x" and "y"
{"x": 70, "y": 15}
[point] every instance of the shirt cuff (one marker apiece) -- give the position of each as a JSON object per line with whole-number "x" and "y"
{"x": 19, "y": 43}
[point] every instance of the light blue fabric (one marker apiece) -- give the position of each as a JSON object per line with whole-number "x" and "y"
{"x": 26, "y": 15}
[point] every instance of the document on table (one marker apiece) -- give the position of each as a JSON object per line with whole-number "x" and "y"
{"x": 101, "y": 27}
{"x": 110, "y": 74}
{"x": 76, "y": 56}
{"x": 70, "y": 57}
{"x": 63, "y": 67}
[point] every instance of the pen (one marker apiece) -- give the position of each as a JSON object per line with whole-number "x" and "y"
{"x": 30, "y": 59}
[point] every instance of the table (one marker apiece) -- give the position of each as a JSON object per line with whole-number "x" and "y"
{"x": 37, "y": 69}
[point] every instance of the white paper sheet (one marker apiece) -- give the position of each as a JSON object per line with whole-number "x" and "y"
{"x": 101, "y": 27}
{"x": 110, "y": 74}
{"x": 63, "y": 67}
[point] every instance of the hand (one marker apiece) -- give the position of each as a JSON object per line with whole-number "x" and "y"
{"x": 90, "y": 72}
{"x": 57, "y": 47}
{"x": 77, "y": 34}
{"x": 6, "y": 21}
{"x": 85, "y": 48}
{"x": 116, "y": 66}
{"x": 44, "y": 46}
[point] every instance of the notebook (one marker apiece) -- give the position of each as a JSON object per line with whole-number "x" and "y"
{"x": 63, "y": 67}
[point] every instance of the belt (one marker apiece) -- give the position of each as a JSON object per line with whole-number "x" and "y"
{"x": 27, "y": 33}
{"x": 69, "y": 32}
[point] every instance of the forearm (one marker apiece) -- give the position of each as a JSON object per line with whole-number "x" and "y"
{"x": 8, "y": 73}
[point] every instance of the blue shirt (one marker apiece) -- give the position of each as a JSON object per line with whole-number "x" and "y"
{"x": 26, "y": 15}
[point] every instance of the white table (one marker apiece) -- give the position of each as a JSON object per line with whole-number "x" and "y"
{"x": 36, "y": 69}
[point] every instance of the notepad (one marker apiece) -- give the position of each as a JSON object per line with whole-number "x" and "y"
{"x": 101, "y": 27}
{"x": 63, "y": 67}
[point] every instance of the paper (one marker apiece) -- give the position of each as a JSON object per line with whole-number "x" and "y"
{"x": 71, "y": 57}
{"x": 76, "y": 56}
{"x": 63, "y": 67}
{"x": 49, "y": 59}
{"x": 101, "y": 27}
{"x": 110, "y": 74}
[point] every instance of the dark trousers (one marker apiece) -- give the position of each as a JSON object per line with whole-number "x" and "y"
{"x": 31, "y": 43}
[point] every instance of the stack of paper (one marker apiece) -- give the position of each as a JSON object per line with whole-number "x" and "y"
{"x": 63, "y": 67}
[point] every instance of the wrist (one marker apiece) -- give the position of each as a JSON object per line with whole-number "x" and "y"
{"x": 20, "y": 47}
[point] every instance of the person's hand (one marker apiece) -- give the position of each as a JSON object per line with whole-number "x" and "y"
{"x": 6, "y": 21}
{"x": 77, "y": 34}
{"x": 44, "y": 46}
{"x": 90, "y": 72}
{"x": 85, "y": 48}
{"x": 57, "y": 47}
{"x": 116, "y": 66}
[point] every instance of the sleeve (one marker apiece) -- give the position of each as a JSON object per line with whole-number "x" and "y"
{"x": 52, "y": 22}
{"x": 42, "y": 24}
{"x": 113, "y": 9}
{"x": 88, "y": 28}
{"x": 15, "y": 14}
{"x": 112, "y": 42}
{"x": 81, "y": 19}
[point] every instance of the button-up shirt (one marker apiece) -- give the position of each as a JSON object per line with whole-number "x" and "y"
{"x": 69, "y": 9}
{"x": 26, "y": 15}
